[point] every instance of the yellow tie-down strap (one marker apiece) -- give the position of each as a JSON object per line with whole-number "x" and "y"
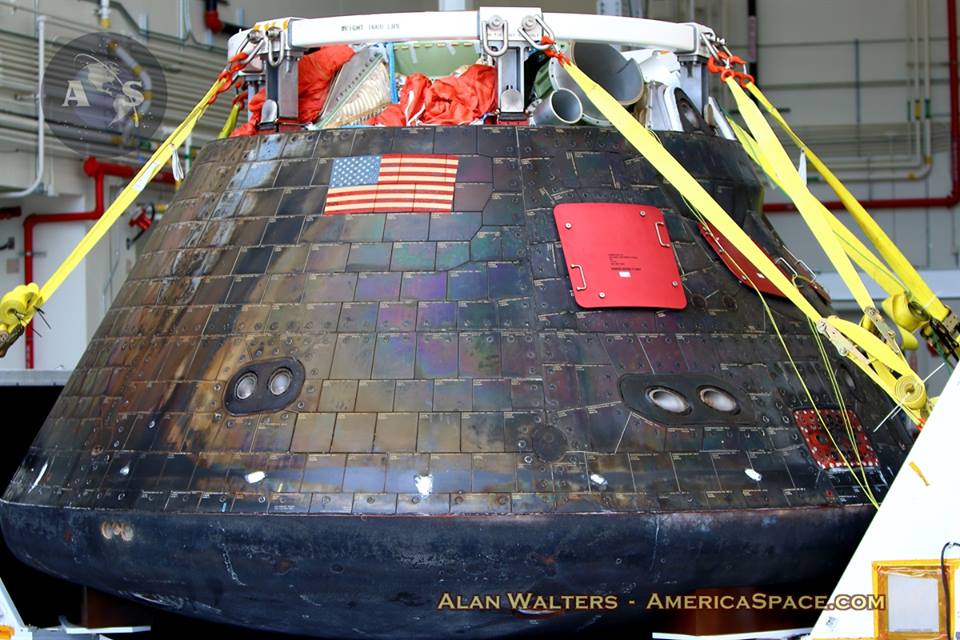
{"x": 905, "y": 271}
{"x": 872, "y": 265}
{"x": 18, "y": 307}
{"x": 910, "y": 302}
{"x": 847, "y": 336}
{"x": 817, "y": 219}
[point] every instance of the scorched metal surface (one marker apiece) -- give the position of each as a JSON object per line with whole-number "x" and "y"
{"x": 320, "y": 423}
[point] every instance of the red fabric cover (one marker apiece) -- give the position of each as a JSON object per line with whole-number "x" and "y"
{"x": 316, "y": 71}
{"x": 444, "y": 101}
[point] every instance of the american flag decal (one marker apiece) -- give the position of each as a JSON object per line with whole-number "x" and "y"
{"x": 392, "y": 182}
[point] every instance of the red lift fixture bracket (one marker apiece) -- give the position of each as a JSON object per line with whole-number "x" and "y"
{"x": 619, "y": 255}
{"x": 737, "y": 263}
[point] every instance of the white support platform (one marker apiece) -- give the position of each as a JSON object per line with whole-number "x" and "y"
{"x": 10, "y": 621}
{"x": 917, "y": 517}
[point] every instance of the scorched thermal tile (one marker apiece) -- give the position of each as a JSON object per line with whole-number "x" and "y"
{"x": 338, "y": 395}
{"x": 270, "y": 146}
{"x": 481, "y": 432}
{"x": 543, "y": 262}
{"x": 413, "y": 395}
{"x": 503, "y": 209}
{"x": 374, "y": 256}
{"x": 570, "y": 474}
{"x": 485, "y": 245}
{"x": 457, "y": 225}
{"x": 451, "y": 472}
{"x": 394, "y": 357}
{"x": 436, "y": 356}
{"x": 396, "y": 432}
{"x": 313, "y": 432}
{"x": 406, "y": 227}
{"x": 413, "y": 256}
{"x": 473, "y": 315}
{"x": 289, "y": 503}
{"x": 455, "y": 140}
{"x": 471, "y": 195}
{"x": 433, "y": 504}
{"x": 438, "y": 432}
{"x": 365, "y": 472}
{"x": 321, "y": 318}
{"x": 405, "y": 471}
{"x": 333, "y": 143}
{"x": 331, "y": 287}
{"x": 331, "y": 503}
{"x": 496, "y": 141}
{"x": 453, "y": 395}
{"x": 526, "y": 393}
{"x": 358, "y": 317}
{"x": 610, "y": 472}
{"x": 424, "y": 285}
{"x": 300, "y": 145}
{"x": 474, "y": 169}
{"x": 397, "y": 316}
{"x": 494, "y": 472}
{"x": 294, "y": 173}
{"x": 506, "y": 174}
{"x": 364, "y": 227}
{"x": 378, "y": 286}
{"x": 468, "y": 283}
{"x": 260, "y": 204}
{"x": 436, "y": 316}
{"x": 322, "y": 229}
{"x": 284, "y": 288}
{"x": 515, "y": 313}
{"x": 452, "y": 254}
{"x": 323, "y": 473}
{"x": 373, "y": 141}
{"x": 375, "y": 503}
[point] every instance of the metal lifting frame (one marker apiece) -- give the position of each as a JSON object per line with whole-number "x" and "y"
{"x": 506, "y": 34}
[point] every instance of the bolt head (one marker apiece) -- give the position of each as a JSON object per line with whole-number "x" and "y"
{"x": 602, "y": 294}
{"x": 568, "y": 226}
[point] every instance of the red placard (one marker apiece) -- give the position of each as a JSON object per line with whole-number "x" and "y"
{"x": 619, "y": 255}
{"x": 737, "y": 263}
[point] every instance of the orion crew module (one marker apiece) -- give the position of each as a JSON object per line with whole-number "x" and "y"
{"x": 361, "y": 365}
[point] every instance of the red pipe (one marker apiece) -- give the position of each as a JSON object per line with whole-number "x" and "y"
{"x": 98, "y": 171}
{"x": 952, "y": 198}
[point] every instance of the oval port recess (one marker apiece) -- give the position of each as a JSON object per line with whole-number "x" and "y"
{"x": 263, "y": 398}
{"x": 639, "y": 393}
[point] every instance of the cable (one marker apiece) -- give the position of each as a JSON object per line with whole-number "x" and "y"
{"x": 946, "y": 584}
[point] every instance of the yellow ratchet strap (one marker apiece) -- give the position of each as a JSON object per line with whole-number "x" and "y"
{"x": 793, "y": 185}
{"x": 857, "y": 251}
{"x": 816, "y": 216}
{"x": 905, "y": 271}
{"x": 895, "y": 305}
{"x": 841, "y": 333}
{"x": 18, "y": 307}
{"x": 230, "y": 123}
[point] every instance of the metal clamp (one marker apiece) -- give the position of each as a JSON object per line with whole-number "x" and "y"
{"x": 811, "y": 274}
{"x": 783, "y": 261}
{"x": 278, "y": 35}
{"x": 528, "y": 31}
{"x": 656, "y": 227}
{"x": 496, "y": 23}
{"x": 583, "y": 277}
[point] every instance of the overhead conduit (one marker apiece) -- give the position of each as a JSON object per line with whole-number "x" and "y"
{"x": 98, "y": 171}
{"x": 953, "y": 197}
